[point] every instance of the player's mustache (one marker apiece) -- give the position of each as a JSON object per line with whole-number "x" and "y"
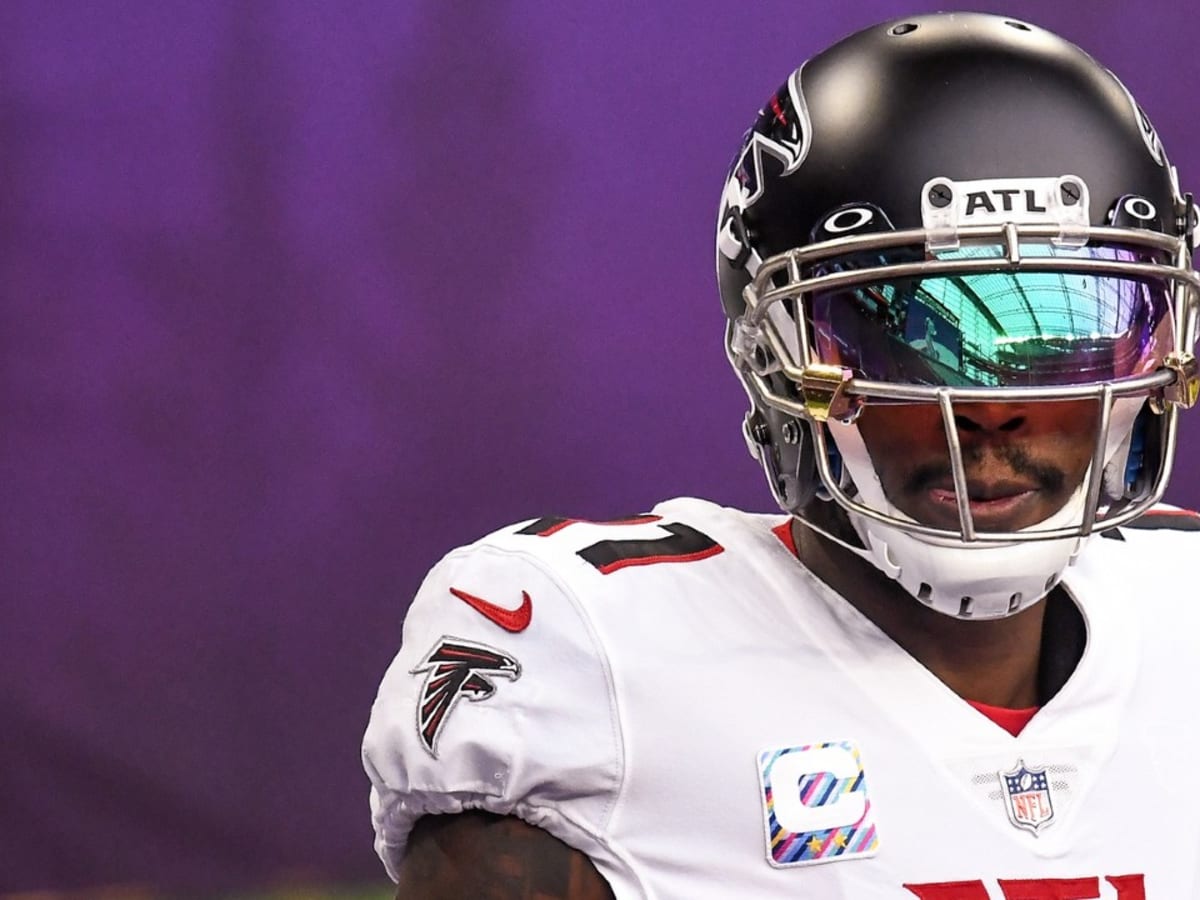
{"x": 1047, "y": 476}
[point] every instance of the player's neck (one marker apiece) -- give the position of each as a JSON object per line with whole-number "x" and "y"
{"x": 998, "y": 662}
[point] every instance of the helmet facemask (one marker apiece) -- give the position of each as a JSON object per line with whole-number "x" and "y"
{"x": 1001, "y": 313}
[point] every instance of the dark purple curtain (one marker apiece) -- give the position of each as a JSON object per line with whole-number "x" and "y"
{"x": 295, "y": 297}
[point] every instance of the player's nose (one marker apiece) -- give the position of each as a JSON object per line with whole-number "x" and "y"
{"x": 981, "y": 418}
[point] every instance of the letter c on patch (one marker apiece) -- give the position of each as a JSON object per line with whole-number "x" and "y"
{"x": 825, "y": 810}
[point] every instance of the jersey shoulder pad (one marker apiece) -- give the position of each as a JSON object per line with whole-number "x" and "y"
{"x": 1161, "y": 523}
{"x": 1164, "y": 517}
{"x": 500, "y": 698}
{"x": 675, "y": 531}
{"x": 1148, "y": 559}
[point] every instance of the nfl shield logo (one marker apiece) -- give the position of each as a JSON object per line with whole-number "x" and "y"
{"x": 1027, "y": 797}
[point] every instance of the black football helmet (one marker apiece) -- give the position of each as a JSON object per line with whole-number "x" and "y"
{"x": 956, "y": 208}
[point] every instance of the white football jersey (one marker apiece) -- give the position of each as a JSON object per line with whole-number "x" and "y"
{"x": 676, "y": 696}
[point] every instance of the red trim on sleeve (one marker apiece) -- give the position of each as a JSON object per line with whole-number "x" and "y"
{"x": 783, "y": 531}
{"x": 1011, "y": 720}
{"x": 652, "y": 560}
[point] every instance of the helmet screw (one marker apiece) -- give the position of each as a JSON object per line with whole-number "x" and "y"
{"x": 1070, "y": 193}
{"x": 939, "y": 196}
{"x": 790, "y": 430}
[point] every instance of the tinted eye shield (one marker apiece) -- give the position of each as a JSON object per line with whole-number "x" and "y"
{"x": 995, "y": 329}
{"x": 1009, "y": 316}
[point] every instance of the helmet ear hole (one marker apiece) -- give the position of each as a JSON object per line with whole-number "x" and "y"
{"x": 1132, "y": 471}
{"x": 1135, "y": 463}
{"x": 1153, "y": 456}
{"x": 836, "y": 468}
{"x": 1143, "y": 461}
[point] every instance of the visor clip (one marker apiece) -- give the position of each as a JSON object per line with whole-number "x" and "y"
{"x": 1186, "y": 388}
{"x": 749, "y": 347}
{"x": 823, "y": 390}
{"x": 939, "y": 213}
{"x": 1069, "y": 204}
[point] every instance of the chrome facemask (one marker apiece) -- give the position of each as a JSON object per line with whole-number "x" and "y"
{"x": 967, "y": 313}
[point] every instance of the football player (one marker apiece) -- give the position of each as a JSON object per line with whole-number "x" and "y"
{"x": 956, "y": 267}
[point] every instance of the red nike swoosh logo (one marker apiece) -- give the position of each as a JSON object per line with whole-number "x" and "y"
{"x": 513, "y": 620}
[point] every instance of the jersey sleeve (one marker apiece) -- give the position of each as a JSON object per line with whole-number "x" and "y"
{"x": 494, "y": 702}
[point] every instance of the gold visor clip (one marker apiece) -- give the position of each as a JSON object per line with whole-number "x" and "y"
{"x": 1186, "y": 389}
{"x": 823, "y": 390}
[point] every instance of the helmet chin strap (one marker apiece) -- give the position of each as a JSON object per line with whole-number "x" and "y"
{"x": 974, "y": 581}
{"x": 966, "y": 580}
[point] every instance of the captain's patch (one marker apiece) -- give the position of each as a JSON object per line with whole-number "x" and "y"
{"x": 815, "y": 804}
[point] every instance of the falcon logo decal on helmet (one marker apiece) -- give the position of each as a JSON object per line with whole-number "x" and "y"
{"x": 456, "y": 668}
{"x": 782, "y": 131}
{"x": 1149, "y": 135}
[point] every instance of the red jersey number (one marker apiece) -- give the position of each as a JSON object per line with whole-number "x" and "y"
{"x": 1129, "y": 887}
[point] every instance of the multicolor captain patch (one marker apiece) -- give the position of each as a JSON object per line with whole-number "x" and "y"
{"x": 815, "y": 804}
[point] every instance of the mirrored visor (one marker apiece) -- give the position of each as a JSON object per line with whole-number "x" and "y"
{"x": 995, "y": 329}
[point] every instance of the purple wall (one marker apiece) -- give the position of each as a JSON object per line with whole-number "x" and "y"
{"x": 294, "y": 300}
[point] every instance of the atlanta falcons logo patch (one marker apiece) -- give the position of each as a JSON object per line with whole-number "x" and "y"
{"x": 456, "y": 668}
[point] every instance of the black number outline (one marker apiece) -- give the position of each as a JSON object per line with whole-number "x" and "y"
{"x": 683, "y": 543}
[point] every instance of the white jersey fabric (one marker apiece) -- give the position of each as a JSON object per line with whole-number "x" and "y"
{"x": 694, "y": 710}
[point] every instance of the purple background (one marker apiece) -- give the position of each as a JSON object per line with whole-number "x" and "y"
{"x": 294, "y": 299}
